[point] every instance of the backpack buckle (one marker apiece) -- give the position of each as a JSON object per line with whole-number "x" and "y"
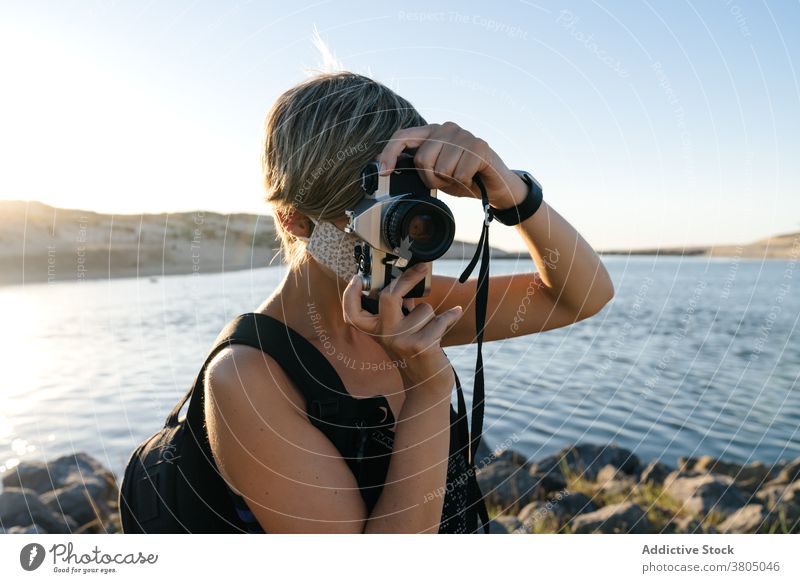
{"x": 322, "y": 409}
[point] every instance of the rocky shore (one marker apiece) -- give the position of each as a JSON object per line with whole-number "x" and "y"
{"x": 590, "y": 488}
{"x": 70, "y": 494}
{"x": 584, "y": 488}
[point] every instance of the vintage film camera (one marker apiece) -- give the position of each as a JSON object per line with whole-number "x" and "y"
{"x": 401, "y": 223}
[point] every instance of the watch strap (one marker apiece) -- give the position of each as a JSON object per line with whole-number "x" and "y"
{"x": 524, "y": 210}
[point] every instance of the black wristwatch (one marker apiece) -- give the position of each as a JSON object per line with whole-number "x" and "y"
{"x": 516, "y": 214}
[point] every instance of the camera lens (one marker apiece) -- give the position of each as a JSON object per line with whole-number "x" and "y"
{"x": 427, "y": 222}
{"x": 421, "y": 228}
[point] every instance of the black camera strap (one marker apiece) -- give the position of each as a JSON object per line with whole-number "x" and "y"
{"x": 476, "y": 503}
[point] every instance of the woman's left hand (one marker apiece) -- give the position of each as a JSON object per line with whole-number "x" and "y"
{"x": 448, "y": 157}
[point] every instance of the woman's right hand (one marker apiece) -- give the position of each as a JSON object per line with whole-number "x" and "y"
{"x": 414, "y": 339}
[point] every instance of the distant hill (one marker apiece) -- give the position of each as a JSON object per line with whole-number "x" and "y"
{"x": 777, "y": 247}
{"x": 41, "y": 243}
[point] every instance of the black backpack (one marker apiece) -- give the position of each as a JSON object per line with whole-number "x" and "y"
{"x": 171, "y": 483}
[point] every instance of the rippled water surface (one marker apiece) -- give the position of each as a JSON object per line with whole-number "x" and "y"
{"x": 693, "y": 356}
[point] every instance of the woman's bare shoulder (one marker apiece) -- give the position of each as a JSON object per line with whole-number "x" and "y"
{"x": 244, "y": 374}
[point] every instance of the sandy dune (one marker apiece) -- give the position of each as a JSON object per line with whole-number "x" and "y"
{"x": 40, "y": 243}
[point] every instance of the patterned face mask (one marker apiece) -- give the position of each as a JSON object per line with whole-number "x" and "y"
{"x": 333, "y": 248}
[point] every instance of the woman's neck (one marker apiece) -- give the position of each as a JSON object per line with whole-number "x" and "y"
{"x": 309, "y": 300}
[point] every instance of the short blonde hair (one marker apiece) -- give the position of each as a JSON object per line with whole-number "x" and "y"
{"x": 318, "y": 136}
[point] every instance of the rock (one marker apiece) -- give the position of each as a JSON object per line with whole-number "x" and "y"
{"x": 789, "y": 473}
{"x": 654, "y": 473}
{"x": 752, "y": 476}
{"x": 506, "y": 485}
{"x": 587, "y": 459}
{"x": 704, "y": 464}
{"x": 111, "y": 526}
{"x": 76, "y": 501}
{"x": 513, "y": 457}
{"x": 484, "y": 453}
{"x": 607, "y": 473}
{"x": 777, "y": 494}
{"x": 506, "y": 525}
{"x": 626, "y": 517}
{"x": 66, "y": 470}
{"x": 548, "y": 482}
{"x": 533, "y": 513}
{"x": 30, "y": 475}
{"x": 748, "y": 477}
{"x": 618, "y": 487}
{"x": 567, "y": 506}
{"x": 690, "y": 525}
{"x": 612, "y": 481}
{"x": 783, "y": 501}
{"x": 20, "y": 507}
{"x": 750, "y": 519}
{"x": 704, "y": 493}
{"x": 686, "y": 525}
{"x": 557, "y": 511}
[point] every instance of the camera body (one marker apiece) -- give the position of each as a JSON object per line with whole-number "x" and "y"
{"x": 400, "y": 222}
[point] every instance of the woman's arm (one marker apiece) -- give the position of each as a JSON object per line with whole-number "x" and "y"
{"x": 571, "y": 283}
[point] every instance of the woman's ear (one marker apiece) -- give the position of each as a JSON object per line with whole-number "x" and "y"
{"x": 294, "y": 222}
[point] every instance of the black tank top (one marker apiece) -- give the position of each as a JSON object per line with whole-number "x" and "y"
{"x": 361, "y": 429}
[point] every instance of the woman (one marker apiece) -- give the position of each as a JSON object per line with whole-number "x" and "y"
{"x": 319, "y": 135}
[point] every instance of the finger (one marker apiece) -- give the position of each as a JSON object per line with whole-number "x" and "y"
{"x": 400, "y": 140}
{"x": 418, "y": 318}
{"x": 439, "y": 326}
{"x": 391, "y": 297}
{"x": 352, "y": 310}
{"x": 468, "y": 166}
{"x": 447, "y": 162}
{"x": 409, "y": 303}
{"x": 452, "y": 138}
{"x": 400, "y": 286}
{"x": 425, "y": 160}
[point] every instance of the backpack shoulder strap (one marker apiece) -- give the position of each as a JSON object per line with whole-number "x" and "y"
{"x": 305, "y": 365}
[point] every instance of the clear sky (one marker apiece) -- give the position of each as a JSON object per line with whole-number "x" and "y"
{"x": 648, "y": 124}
